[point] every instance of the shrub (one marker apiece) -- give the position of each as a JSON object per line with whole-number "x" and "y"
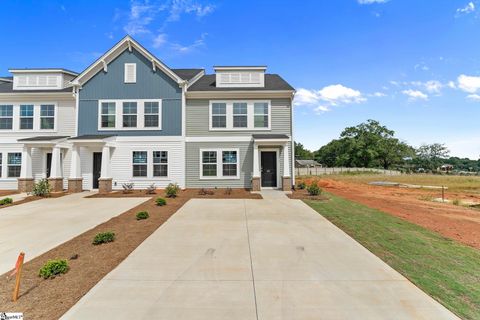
{"x": 53, "y": 268}
{"x": 41, "y": 188}
{"x": 313, "y": 189}
{"x": 171, "y": 190}
{"x": 205, "y": 192}
{"x": 160, "y": 202}
{"x": 104, "y": 237}
{"x": 301, "y": 185}
{"x": 456, "y": 202}
{"x": 6, "y": 201}
{"x": 142, "y": 215}
{"x": 228, "y": 191}
{"x": 127, "y": 187}
{"x": 151, "y": 189}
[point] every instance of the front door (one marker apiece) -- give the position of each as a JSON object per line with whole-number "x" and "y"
{"x": 97, "y": 168}
{"x": 269, "y": 169}
{"x": 49, "y": 164}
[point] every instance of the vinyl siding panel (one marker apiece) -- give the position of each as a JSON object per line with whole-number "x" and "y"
{"x": 197, "y": 121}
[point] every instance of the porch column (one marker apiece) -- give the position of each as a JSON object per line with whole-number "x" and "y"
{"x": 56, "y": 174}
{"x": 256, "y": 169}
{"x": 105, "y": 180}
{"x": 286, "y": 179}
{"x": 25, "y": 182}
{"x": 75, "y": 180}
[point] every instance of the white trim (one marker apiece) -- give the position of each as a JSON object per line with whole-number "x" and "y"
{"x": 36, "y": 117}
{"x": 224, "y": 68}
{"x": 277, "y": 151}
{"x": 250, "y": 115}
{"x": 119, "y": 115}
{"x": 195, "y": 79}
{"x": 150, "y": 177}
{"x": 42, "y": 71}
{"x": 219, "y": 164}
{"x": 125, "y": 139}
{"x": 219, "y": 139}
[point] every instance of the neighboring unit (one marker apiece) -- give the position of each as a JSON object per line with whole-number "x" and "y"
{"x": 132, "y": 119}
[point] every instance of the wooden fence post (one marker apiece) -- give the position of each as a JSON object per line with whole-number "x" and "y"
{"x": 18, "y": 274}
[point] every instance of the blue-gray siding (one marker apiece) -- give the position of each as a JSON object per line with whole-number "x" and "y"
{"x": 149, "y": 85}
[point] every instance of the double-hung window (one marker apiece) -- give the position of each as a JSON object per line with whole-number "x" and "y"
{"x": 140, "y": 164}
{"x": 151, "y": 113}
{"x": 219, "y": 164}
{"x": 6, "y": 117}
{"x": 229, "y": 163}
{"x": 260, "y": 114}
{"x": 240, "y": 115}
{"x": 47, "y": 116}
{"x": 108, "y": 115}
{"x": 26, "y": 116}
{"x": 219, "y": 115}
{"x": 14, "y": 164}
{"x": 160, "y": 163}
{"x": 209, "y": 163}
{"x": 129, "y": 114}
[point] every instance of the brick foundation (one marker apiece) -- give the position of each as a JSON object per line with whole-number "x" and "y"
{"x": 256, "y": 184}
{"x": 287, "y": 184}
{"x": 25, "y": 185}
{"x": 104, "y": 185}
{"x": 56, "y": 184}
{"x": 75, "y": 185}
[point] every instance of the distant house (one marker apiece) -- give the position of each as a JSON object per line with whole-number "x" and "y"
{"x": 446, "y": 168}
{"x": 306, "y": 164}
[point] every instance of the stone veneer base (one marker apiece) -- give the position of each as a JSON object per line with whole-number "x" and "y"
{"x": 25, "y": 185}
{"x": 256, "y": 184}
{"x": 75, "y": 185}
{"x": 56, "y": 184}
{"x": 287, "y": 184}
{"x": 104, "y": 185}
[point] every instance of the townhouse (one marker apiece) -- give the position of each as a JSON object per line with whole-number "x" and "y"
{"x": 129, "y": 118}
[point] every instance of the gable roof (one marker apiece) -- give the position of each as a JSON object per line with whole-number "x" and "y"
{"x": 272, "y": 82}
{"x": 127, "y": 43}
{"x": 187, "y": 74}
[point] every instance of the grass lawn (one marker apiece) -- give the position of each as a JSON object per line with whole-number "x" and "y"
{"x": 446, "y": 270}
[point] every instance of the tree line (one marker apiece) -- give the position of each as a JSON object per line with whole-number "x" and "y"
{"x": 372, "y": 145}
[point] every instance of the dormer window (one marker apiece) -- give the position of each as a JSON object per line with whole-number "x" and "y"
{"x": 130, "y": 72}
{"x": 238, "y": 77}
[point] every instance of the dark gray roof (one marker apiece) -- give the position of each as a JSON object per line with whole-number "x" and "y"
{"x": 93, "y": 137}
{"x": 307, "y": 163}
{"x": 187, "y": 74}
{"x": 269, "y": 136}
{"x": 7, "y": 87}
{"x": 272, "y": 82}
{"x": 43, "y": 138}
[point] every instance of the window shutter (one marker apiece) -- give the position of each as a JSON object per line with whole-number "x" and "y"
{"x": 130, "y": 72}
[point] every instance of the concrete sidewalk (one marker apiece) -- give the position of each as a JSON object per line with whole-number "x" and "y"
{"x": 253, "y": 259}
{"x": 38, "y": 226}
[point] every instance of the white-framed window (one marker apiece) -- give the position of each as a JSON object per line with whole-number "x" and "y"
{"x": 14, "y": 164}
{"x": 160, "y": 163}
{"x": 139, "y": 164}
{"x": 236, "y": 115}
{"x": 47, "y": 116}
{"x": 6, "y": 117}
{"x": 1, "y": 164}
{"x": 131, "y": 114}
{"x": 130, "y": 73}
{"x": 108, "y": 115}
{"x": 129, "y": 119}
{"x": 219, "y": 164}
{"x": 151, "y": 114}
{"x": 26, "y": 116}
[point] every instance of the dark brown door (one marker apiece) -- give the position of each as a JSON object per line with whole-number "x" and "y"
{"x": 97, "y": 168}
{"x": 269, "y": 169}
{"x": 49, "y": 164}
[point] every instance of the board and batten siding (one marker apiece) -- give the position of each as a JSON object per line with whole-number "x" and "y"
{"x": 149, "y": 85}
{"x": 197, "y": 121}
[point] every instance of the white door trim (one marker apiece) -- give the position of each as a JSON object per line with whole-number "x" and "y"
{"x": 277, "y": 154}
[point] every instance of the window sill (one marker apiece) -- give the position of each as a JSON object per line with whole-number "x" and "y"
{"x": 219, "y": 178}
{"x": 240, "y": 129}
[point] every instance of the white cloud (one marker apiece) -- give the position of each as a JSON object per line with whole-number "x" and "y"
{"x": 371, "y": 1}
{"x": 470, "y": 84}
{"x": 469, "y": 8}
{"x": 415, "y": 95}
{"x": 451, "y": 85}
{"x": 159, "y": 40}
{"x": 473, "y": 97}
{"x": 321, "y": 109}
{"x": 378, "y": 94}
{"x": 140, "y": 16}
{"x": 178, "y": 7}
{"x": 186, "y": 49}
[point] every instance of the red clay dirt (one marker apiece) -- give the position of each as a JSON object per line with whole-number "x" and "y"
{"x": 455, "y": 222}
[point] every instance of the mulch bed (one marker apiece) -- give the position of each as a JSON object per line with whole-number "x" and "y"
{"x": 50, "y": 299}
{"x": 34, "y": 198}
{"x": 192, "y": 193}
{"x": 6, "y": 193}
{"x": 303, "y": 195}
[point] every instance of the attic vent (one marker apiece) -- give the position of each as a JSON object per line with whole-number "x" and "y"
{"x": 240, "y": 76}
{"x": 37, "y": 81}
{"x": 130, "y": 72}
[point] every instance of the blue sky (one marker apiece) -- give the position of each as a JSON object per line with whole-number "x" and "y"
{"x": 413, "y": 65}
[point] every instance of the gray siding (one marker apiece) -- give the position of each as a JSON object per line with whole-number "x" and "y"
{"x": 197, "y": 122}
{"x": 149, "y": 85}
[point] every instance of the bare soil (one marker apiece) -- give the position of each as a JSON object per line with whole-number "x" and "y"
{"x": 50, "y": 299}
{"x": 455, "y": 222}
{"x": 5, "y": 193}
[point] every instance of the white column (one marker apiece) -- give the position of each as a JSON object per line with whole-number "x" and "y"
{"x": 106, "y": 171}
{"x": 56, "y": 170}
{"x": 75, "y": 169}
{"x": 286, "y": 161}
{"x": 26, "y": 168}
{"x": 256, "y": 169}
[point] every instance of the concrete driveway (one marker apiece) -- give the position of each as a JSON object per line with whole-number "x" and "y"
{"x": 253, "y": 259}
{"x": 38, "y": 226}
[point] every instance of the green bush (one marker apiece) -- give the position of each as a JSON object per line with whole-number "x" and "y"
{"x": 171, "y": 190}
{"x": 313, "y": 189}
{"x": 160, "y": 202}
{"x": 6, "y": 201}
{"x": 142, "y": 215}
{"x": 301, "y": 185}
{"x": 41, "y": 188}
{"x": 53, "y": 268}
{"x": 103, "y": 237}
